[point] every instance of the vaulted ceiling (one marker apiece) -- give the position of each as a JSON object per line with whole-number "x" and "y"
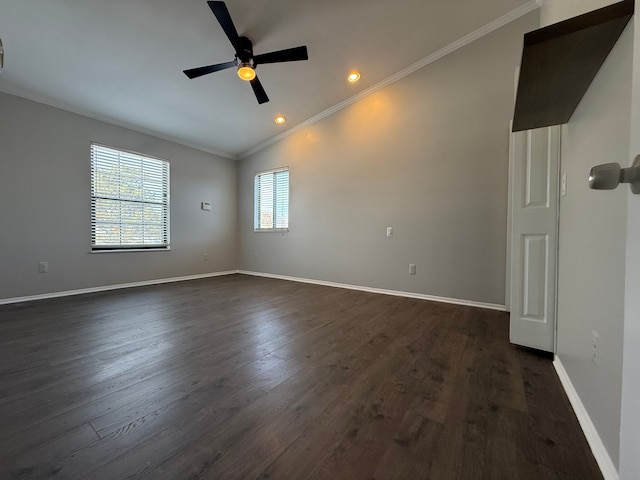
{"x": 122, "y": 60}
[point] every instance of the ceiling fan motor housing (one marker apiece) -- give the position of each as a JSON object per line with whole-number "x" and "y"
{"x": 245, "y": 51}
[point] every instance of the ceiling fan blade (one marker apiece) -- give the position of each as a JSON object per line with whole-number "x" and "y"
{"x": 288, "y": 55}
{"x": 200, "y": 71}
{"x": 221, "y": 12}
{"x": 258, "y": 89}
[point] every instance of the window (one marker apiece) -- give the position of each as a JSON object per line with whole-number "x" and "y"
{"x": 271, "y": 200}
{"x": 129, "y": 200}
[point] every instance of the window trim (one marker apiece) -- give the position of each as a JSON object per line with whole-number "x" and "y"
{"x": 255, "y": 206}
{"x": 166, "y": 203}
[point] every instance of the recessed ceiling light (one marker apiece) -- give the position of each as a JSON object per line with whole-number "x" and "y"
{"x": 280, "y": 119}
{"x": 353, "y": 77}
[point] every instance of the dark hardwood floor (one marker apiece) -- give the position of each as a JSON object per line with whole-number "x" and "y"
{"x": 241, "y": 377}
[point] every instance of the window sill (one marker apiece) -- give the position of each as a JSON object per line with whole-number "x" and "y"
{"x": 271, "y": 230}
{"x": 125, "y": 250}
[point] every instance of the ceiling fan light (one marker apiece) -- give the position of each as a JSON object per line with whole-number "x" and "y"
{"x": 246, "y": 72}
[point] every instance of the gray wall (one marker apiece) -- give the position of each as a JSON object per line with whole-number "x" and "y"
{"x": 592, "y": 244}
{"x": 428, "y": 156}
{"x": 45, "y": 205}
{"x": 593, "y": 227}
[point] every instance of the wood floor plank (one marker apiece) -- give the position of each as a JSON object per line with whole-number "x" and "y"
{"x": 267, "y": 442}
{"x": 558, "y": 439}
{"x": 43, "y": 461}
{"x": 248, "y": 377}
{"x": 197, "y": 458}
{"x": 143, "y": 453}
{"x": 407, "y": 455}
{"x": 302, "y": 455}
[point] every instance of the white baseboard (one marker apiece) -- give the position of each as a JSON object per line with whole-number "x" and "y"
{"x": 66, "y": 293}
{"x": 397, "y": 293}
{"x": 608, "y": 469}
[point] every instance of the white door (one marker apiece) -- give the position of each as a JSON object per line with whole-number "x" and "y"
{"x": 534, "y": 237}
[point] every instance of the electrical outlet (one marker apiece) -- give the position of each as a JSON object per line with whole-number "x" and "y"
{"x": 412, "y": 269}
{"x": 43, "y": 267}
{"x": 595, "y": 347}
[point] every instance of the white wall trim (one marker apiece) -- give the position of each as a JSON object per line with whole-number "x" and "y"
{"x": 397, "y": 293}
{"x": 452, "y": 47}
{"x": 67, "y": 293}
{"x": 607, "y": 467}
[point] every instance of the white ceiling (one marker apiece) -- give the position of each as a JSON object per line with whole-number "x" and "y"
{"x": 122, "y": 60}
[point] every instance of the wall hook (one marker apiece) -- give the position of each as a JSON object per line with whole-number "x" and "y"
{"x": 609, "y": 175}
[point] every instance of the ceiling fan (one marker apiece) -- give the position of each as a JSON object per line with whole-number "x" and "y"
{"x": 245, "y": 60}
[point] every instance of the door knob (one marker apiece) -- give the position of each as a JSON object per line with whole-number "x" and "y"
{"x": 609, "y": 175}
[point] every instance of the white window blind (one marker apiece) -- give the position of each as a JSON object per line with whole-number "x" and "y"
{"x": 129, "y": 200}
{"x": 271, "y": 200}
